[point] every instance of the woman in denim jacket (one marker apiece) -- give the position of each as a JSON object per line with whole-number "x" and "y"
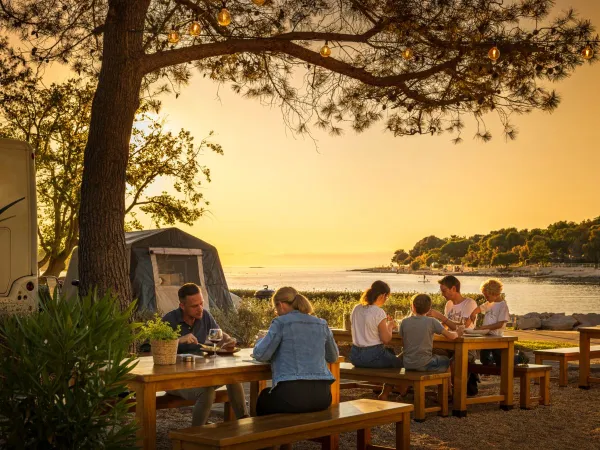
{"x": 299, "y": 346}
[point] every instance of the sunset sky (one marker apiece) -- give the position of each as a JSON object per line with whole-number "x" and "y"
{"x": 350, "y": 201}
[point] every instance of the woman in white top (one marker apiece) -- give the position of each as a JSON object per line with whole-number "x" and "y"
{"x": 371, "y": 330}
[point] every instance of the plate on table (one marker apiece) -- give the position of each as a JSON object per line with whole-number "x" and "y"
{"x": 220, "y": 351}
{"x": 476, "y": 333}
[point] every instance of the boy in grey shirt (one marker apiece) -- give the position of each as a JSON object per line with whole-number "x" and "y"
{"x": 417, "y": 338}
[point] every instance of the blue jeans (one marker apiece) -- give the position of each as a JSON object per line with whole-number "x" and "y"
{"x": 438, "y": 363}
{"x": 374, "y": 357}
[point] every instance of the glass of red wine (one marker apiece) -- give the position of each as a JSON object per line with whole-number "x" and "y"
{"x": 215, "y": 335}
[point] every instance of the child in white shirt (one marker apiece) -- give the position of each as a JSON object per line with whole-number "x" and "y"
{"x": 496, "y": 315}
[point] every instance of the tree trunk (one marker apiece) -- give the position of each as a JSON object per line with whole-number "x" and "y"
{"x": 58, "y": 263}
{"x": 102, "y": 253}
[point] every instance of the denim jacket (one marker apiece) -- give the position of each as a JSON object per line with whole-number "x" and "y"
{"x": 299, "y": 346}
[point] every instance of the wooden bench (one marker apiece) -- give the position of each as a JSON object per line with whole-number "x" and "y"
{"x": 166, "y": 401}
{"x": 525, "y": 375}
{"x": 284, "y": 429}
{"x": 400, "y": 377}
{"x": 563, "y": 356}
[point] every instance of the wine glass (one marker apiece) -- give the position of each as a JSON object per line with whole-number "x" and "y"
{"x": 399, "y": 316}
{"x": 215, "y": 335}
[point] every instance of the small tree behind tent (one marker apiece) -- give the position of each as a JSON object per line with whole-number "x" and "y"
{"x": 160, "y": 261}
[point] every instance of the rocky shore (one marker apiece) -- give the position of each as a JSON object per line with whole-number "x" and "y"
{"x": 556, "y": 321}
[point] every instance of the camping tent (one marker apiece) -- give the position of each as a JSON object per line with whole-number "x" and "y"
{"x": 160, "y": 261}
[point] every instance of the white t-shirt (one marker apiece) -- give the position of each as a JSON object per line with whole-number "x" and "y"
{"x": 365, "y": 323}
{"x": 463, "y": 309}
{"x": 495, "y": 312}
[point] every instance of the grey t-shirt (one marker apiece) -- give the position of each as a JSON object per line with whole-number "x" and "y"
{"x": 200, "y": 328}
{"x": 417, "y": 339}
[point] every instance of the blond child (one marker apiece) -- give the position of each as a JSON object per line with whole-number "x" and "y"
{"x": 496, "y": 315}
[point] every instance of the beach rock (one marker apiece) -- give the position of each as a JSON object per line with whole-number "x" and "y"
{"x": 587, "y": 320}
{"x": 528, "y": 323}
{"x": 546, "y": 315}
{"x": 559, "y": 322}
{"x": 532, "y": 315}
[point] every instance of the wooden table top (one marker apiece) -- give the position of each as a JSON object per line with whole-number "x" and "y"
{"x": 147, "y": 371}
{"x": 592, "y": 330}
{"x": 466, "y": 338}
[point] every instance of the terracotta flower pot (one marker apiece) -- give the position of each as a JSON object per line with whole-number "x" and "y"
{"x": 164, "y": 352}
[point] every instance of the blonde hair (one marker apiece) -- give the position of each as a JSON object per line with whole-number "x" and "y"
{"x": 491, "y": 286}
{"x": 291, "y": 296}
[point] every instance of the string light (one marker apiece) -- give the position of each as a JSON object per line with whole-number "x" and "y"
{"x": 173, "y": 36}
{"x": 224, "y": 18}
{"x": 258, "y": 2}
{"x": 407, "y": 53}
{"x": 587, "y": 52}
{"x": 195, "y": 28}
{"x": 325, "y": 51}
{"x": 494, "y": 53}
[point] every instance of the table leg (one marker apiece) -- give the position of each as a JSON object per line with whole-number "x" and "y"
{"x": 403, "y": 433}
{"x": 584, "y": 360}
{"x": 255, "y": 388}
{"x": 145, "y": 413}
{"x": 459, "y": 395}
{"x": 507, "y": 376}
{"x": 334, "y": 368}
{"x": 363, "y": 439}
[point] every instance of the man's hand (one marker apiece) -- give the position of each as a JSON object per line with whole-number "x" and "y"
{"x": 435, "y": 314}
{"x": 188, "y": 339}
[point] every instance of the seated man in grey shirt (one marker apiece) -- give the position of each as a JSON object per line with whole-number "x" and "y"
{"x": 195, "y": 323}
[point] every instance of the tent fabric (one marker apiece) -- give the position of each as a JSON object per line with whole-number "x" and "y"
{"x": 141, "y": 273}
{"x": 141, "y": 241}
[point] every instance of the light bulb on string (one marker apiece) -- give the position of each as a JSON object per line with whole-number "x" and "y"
{"x": 195, "y": 28}
{"x": 587, "y": 52}
{"x": 258, "y": 2}
{"x": 494, "y": 53}
{"x": 407, "y": 53}
{"x": 325, "y": 51}
{"x": 224, "y": 18}
{"x": 173, "y": 36}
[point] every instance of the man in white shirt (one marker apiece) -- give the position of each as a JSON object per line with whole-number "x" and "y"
{"x": 457, "y": 310}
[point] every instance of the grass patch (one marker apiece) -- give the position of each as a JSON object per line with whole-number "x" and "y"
{"x": 530, "y": 346}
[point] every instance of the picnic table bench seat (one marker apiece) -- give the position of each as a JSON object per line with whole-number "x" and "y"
{"x": 284, "y": 429}
{"x": 563, "y": 356}
{"x": 166, "y": 401}
{"x": 400, "y": 377}
{"x": 525, "y": 373}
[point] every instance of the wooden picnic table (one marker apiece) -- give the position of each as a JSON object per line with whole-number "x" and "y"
{"x": 585, "y": 334}
{"x": 147, "y": 379}
{"x": 461, "y": 347}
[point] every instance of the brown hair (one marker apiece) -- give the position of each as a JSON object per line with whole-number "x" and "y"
{"x": 422, "y": 303}
{"x": 450, "y": 281}
{"x": 187, "y": 289}
{"x": 377, "y": 288}
{"x": 291, "y": 296}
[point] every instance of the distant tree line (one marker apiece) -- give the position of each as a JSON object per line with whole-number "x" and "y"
{"x": 561, "y": 242}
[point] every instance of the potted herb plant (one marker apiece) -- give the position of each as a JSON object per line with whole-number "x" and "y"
{"x": 163, "y": 339}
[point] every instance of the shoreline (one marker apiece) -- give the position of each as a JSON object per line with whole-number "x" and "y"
{"x": 586, "y": 275}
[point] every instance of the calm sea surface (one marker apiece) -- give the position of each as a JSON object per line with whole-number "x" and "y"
{"x": 523, "y": 295}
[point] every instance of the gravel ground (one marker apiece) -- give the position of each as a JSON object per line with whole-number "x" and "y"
{"x": 571, "y": 422}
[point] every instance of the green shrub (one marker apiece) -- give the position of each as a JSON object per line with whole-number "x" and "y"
{"x": 157, "y": 330}
{"x": 62, "y": 371}
{"x": 244, "y": 323}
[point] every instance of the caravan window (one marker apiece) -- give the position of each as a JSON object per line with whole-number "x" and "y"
{"x": 175, "y": 270}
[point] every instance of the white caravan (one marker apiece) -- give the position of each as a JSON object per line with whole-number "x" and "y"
{"x": 18, "y": 228}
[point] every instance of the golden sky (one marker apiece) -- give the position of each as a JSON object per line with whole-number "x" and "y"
{"x": 278, "y": 200}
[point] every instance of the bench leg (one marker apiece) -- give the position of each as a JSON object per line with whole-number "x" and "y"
{"x": 525, "y": 391}
{"x": 545, "y": 389}
{"x": 419, "y": 401}
{"x": 563, "y": 379}
{"x": 403, "y": 433}
{"x": 255, "y": 388}
{"x": 443, "y": 397}
{"x": 363, "y": 439}
{"x": 228, "y": 414}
